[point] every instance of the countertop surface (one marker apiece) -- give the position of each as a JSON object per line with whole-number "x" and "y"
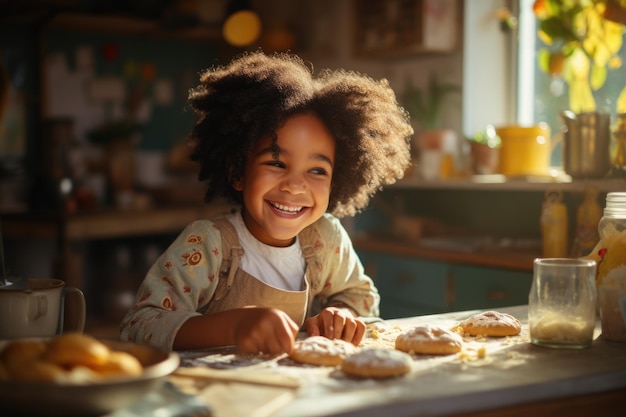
{"x": 489, "y": 373}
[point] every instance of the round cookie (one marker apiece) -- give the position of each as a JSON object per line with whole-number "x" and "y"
{"x": 491, "y": 323}
{"x": 320, "y": 350}
{"x": 377, "y": 363}
{"x": 429, "y": 340}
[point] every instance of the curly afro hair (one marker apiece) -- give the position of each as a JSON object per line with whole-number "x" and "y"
{"x": 255, "y": 94}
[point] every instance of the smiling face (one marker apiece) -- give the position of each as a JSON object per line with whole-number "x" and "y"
{"x": 287, "y": 192}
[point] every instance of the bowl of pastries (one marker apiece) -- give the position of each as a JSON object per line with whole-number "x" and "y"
{"x": 76, "y": 374}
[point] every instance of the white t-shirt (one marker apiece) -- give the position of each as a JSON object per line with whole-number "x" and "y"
{"x": 279, "y": 267}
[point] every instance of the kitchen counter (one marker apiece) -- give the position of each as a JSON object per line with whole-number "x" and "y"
{"x": 513, "y": 378}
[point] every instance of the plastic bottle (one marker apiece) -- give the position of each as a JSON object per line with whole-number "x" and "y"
{"x": 614, "y": 217}
{"x": 554, "y": 226}
{"x": 611, "y": 275}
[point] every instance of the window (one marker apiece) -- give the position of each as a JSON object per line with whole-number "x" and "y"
{"x": 540, "y": 97}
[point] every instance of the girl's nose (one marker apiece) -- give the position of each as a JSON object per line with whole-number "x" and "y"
{"x": 293, "y": 184}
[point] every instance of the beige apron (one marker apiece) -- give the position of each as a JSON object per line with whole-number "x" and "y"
{"x": 236, "y": 288}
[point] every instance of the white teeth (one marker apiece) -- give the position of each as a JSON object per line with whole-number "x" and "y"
{"x": 287, "y": 208}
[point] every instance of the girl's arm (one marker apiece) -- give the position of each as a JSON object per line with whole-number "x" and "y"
{"x": 176, "y": 288}
{"x": 251, "y": 329}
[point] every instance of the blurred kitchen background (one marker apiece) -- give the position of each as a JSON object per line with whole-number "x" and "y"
{"x": 95, "y": 180}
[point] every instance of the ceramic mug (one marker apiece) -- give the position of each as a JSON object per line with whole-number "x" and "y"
{"x": 39, "y": 309}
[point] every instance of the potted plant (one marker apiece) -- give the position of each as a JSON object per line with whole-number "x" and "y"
{"x": 582, "y": 40}
{"x": 426, "y": 108}
{"x": 485, "y": 151}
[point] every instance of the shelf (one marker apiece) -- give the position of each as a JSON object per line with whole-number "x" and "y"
{"x": 131, "y": 26}
{"x": 519, "y": 260}
{"x": 105, "y": 223}
{"x": 501, "y": 183}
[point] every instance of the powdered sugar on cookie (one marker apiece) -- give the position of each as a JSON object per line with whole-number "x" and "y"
{"x": 429, "y": 340}
{"x": 491, "y": 323}
{"x": 377, "y": 363}
{"x": 319, "y": 350}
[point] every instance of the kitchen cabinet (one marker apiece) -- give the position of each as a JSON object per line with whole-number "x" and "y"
{"x": 393, "y": 29}
{"x": 488, "y": 233}
{"x": 407, "y": 287}
{"x": 410, "y": 286}
{"x": 480, "y": 287}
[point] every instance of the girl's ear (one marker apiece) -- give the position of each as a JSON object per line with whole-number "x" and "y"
{"x": 235, "y": 183}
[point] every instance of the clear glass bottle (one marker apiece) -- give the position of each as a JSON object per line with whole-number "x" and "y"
{"x": 611, "y": 276}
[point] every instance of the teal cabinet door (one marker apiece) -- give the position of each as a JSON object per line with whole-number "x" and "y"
{"x": 480, "y": 287}
{"x": 408, "y": 287}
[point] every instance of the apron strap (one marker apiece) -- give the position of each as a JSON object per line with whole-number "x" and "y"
{"x": 231, "y": 257}
{"x": 309, "y": 238}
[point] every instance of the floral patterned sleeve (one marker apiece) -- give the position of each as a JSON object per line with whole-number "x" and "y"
{"x": 178, "y": 286}
{"x": 343, "y": 278}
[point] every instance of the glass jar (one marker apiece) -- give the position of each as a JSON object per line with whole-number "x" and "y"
{"x": 611, "y": 276}
{"x": 614, "y": 216}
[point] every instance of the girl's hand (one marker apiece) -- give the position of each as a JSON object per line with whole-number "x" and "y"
{"x": 265, "y": 330}
{"x": 336, "y": 323}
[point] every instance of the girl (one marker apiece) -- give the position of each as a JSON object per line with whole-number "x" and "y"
{"x": 290, "y": 149}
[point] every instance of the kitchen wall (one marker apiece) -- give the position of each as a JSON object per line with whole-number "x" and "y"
{"x": 324, "y": 36}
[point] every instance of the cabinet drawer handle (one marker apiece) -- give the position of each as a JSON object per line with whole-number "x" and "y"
{"x": 498, "y": 295}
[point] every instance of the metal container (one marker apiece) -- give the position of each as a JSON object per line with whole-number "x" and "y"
{"x": 586, "y": 144}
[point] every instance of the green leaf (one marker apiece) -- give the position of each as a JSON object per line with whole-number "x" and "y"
{"x": 543, "y": 60}
{"x": 554, "y": 28}
{"x": 426, "y": 106}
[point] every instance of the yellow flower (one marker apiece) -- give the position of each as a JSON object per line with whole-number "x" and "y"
{"x": 615, "y": 62}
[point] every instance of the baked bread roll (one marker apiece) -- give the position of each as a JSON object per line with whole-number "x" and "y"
{"x": 320, "y": 350}
{"x": 26, "y": 350}
{"x": 36, "y": 370}
{"x": 429, "y": 340}
{"x": 119, "y": 364}
{"x": 73, "y": 349}
{"x": 67, "y": 358}
{"x": 377, "y": 363}
{"x": 491, "y": 323}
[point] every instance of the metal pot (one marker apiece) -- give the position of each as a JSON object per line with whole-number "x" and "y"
{"x": 586, "y": 144}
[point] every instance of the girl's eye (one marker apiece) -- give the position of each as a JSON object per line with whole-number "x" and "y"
{"x": 274, "y": 163}
{"x": 319, "y": 171}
